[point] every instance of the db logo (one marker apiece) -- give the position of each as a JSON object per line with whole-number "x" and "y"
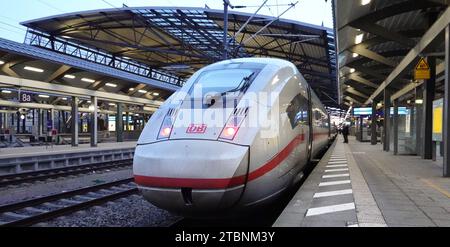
{"x": 196, "y": 129}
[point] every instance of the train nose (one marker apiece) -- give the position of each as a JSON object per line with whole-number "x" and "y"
{"x": 191, "y": 176}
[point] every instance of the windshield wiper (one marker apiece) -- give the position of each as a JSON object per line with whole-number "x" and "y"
{"x": 245, "y": 84}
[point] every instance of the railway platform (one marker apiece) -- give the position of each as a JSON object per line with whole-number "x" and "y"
{"x": 26, "y": 159}
{"x": 61, "y": 149}
{"x": 357, "y": 184}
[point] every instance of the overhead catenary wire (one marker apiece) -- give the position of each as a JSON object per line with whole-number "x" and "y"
{"x": 9, "y": 30}
{"x": 16, "y": 27}
{"x": 110, "y": 4}
{"x": 50, "y": 5}
{"x": 268, "y": 24}
{"x": 249, "y": 19}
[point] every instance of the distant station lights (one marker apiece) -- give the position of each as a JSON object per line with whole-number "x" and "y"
{"x": 131, "y": 89}
{"x": 2, "y": 62}
{"x": 44, "y": 96}
{"x": 355, "y": 54}
{"x": 111, "y": 84}
{"x": 6, "y": 91}
{"x": 359, "y": 38}
{"x": 142, "y": 91}
{"x": 69, "y": 76}
{"x": 155, "y": 94}
{"x": 352, "y": 70}
{"x": 34, "y": 69}
{"x": 88, "y": 80}
{"x": 365, "y": 2}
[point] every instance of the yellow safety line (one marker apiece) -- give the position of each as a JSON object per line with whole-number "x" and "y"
{"x": 436, "y": 187}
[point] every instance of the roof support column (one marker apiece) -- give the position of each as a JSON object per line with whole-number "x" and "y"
{"x": 119, "y": 122}
{"x": 395, "y": 126}
{"x": 40, "y": 122}
{"x": 361, "y": 128}
{"x": 446, "y": 117}
{"x": 74, "y": 122}
{"x": 94, "y": 123}
{"x": 18, "y": 122}
{"x": 428, "y": 97}
{"x": 225, "y": 29}
{"x": 386, "y": 123}
{"x": 373, "y": 125}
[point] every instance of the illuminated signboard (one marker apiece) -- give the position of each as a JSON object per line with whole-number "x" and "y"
{"x": 401, "y": 110}
{"x": 438, "y": 106}
{"x": 362, "y": 111}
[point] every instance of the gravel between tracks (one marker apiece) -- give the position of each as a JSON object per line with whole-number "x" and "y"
{"x": 21, "y": 192}
{"x": 132, "y": 211}
{"x": 125, "y": 212}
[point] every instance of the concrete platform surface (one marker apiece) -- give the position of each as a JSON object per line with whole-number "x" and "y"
{"x": 357, "y": 184}
{"x": 61, "y": 149}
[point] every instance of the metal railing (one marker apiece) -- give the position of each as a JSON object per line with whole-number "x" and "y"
{"x": 39, "y": 39}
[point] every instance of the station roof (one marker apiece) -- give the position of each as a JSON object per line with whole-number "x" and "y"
{"x": 378, "y": 46}
{"x": 179, "y": 41}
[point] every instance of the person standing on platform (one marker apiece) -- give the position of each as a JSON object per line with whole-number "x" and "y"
{"x": 345, "y": 132}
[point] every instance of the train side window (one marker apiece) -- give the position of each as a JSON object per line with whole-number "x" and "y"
{"x": 297, "y": 111}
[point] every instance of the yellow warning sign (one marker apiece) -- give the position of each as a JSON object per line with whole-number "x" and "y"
{"x": 422, "y": 70}
{"x": 422, "y": 65}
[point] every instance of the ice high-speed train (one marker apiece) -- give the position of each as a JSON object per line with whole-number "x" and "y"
{"x": 208, "y": 150}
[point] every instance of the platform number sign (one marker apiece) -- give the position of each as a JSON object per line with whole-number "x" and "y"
{"x": 26, "y": 97}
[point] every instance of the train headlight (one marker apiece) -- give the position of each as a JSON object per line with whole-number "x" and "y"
{"x": 166, "y": 131}
{"x": 232, "y": 126}
{"x": 167, "y": 125}
{"x": 230, "y": 131}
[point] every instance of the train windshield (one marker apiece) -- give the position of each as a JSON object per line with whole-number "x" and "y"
{"x": 222, "y": 81}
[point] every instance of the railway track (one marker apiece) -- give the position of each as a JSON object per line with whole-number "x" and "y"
{"x": 27, "y": 177}
{"x": 40, "y": 209}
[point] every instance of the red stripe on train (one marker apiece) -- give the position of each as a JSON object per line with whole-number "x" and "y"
{"x": 220, "y": 183}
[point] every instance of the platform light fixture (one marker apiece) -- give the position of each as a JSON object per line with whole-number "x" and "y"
{"x": 155, "y": 94}
{"x": 69, "y": 76}
{"x": 2, "y": 62}
{"x": 419, "y": 101}
{"x": 359, "y": 38}
{"x": 355, "y": 54}
{"x": 131, "y": 89}
{"x": 43, "y": 96}
{"x": 365, "y": 2}
{"x": 352, "y": 70}
{"x": 112, "y": 104}
{"x": 64, "y": 98}
{"x": 142, "y": 91}
{"x": 111, "y": 84}
{"x": 6, "y": 91}
{"x": 34, "y": 69}
{"x": 88, "y": 80}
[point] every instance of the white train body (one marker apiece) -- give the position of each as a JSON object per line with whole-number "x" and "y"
{"x": 222, "y": 162}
